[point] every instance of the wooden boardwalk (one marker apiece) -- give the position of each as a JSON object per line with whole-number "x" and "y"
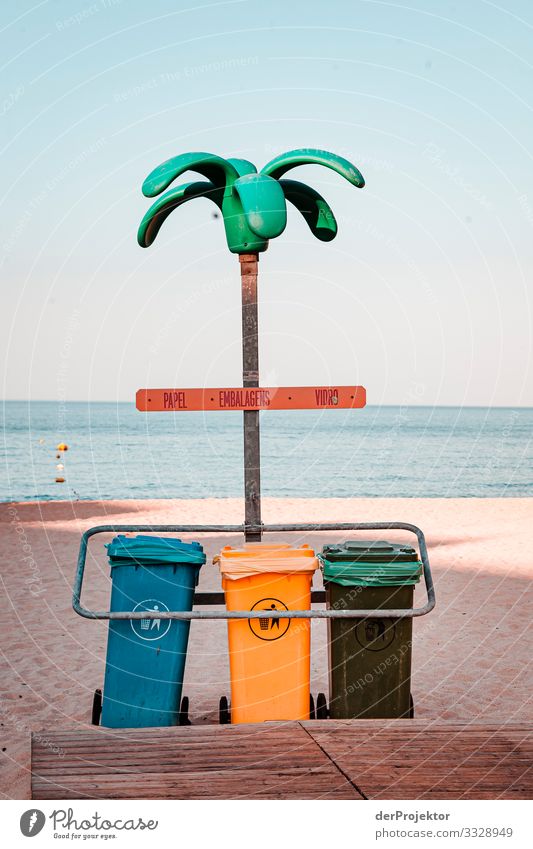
{"x": 358, "y": 759}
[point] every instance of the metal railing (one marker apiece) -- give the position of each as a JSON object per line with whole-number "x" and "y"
{"x": 218, "y": 598}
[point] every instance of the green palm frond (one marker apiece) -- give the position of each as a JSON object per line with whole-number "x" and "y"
{"x": 252, "y": 204}
{"x": 316, "y": 211}
{"x": 281, "y": 164}
{"x": 217, "y": 170}
{"x": 167, "y": 203}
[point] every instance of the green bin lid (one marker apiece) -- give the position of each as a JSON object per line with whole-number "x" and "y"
{"x": 145, "y": 550}
{"x": 371, "y": 563}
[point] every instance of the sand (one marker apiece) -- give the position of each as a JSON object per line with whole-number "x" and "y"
{"x": 471, "y": 655}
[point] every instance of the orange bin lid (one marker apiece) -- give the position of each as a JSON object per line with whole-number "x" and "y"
{"x": 262, "y": 558}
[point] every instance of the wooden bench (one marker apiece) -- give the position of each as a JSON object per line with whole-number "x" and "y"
{"x": 351, "y": 759}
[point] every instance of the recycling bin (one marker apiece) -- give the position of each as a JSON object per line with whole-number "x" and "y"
{"x": 146, "y": 657}
{"x": 269, "y": 658}
{"x": 370, "y": 659}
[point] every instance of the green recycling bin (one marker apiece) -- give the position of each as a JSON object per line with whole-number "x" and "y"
{"x": 370, "y": 659}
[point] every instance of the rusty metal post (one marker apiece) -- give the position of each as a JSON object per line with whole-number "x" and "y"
{"x": 250, "y": 378}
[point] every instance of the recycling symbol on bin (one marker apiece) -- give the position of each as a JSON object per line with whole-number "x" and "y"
{"x": 375, "y": 634}
{"x": 151, "y": 629}
{"x": 265, "y": 627}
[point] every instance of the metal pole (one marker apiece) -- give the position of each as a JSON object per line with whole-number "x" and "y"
{"x": 250, "y": 378}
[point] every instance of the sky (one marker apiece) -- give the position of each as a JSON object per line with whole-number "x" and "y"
{"x": 423, "y": 297}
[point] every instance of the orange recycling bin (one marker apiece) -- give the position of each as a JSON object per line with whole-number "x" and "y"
{"x": 269, "y": 658}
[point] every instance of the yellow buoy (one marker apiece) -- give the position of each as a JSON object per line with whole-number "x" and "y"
{"x": 60, "y": 480}
{"x": 62, "y": 447}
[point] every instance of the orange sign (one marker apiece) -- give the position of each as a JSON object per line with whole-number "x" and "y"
{"x": 260, "y": 398}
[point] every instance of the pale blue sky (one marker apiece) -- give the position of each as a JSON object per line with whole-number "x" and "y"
{"x": 424, "y": 296}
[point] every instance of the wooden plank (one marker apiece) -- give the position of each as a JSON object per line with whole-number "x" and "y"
{"x": 384, "y": 759}
{"x": 228, "y": 762}
{"x": 207, "y": 735}
{"x": 402, "y": 760}
{"x": 401, "y": 725}
{"x": 286, "y": 783}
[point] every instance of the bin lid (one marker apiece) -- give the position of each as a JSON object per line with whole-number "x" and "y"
{"x": 371, "y": 563}
{"x": 150, "y": 551}
{"x": 258, "y": 557}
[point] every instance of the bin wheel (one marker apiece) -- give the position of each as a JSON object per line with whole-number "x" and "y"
{"x": 183, "y": 718}
{"x": 224, "y": 712}
{"x": 97, "y": 707}
{"x": 411, "y": 706}
{"x": 321, "y": 707}
{"x": 311, "y": 707}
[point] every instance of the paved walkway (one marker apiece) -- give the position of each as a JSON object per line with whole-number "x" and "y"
{"x": 471, "y": 655}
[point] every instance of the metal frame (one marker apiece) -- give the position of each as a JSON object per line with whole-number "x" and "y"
{"x": 218, "y": 598}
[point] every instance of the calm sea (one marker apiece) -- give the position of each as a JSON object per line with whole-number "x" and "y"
{"x": 117, "y": 452}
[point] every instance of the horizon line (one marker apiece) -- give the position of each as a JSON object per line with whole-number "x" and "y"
{"x": 421, "y": 406}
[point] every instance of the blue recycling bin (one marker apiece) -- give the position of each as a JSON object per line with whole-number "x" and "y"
{"x": 146, "y": 657}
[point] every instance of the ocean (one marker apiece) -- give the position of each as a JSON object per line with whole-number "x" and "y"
{"x": 116, "y": 452}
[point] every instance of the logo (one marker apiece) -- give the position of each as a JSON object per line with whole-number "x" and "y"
{"x": 375, "y": 634}
{"x": 266, "y": 628}
{"x": 32, "y": 822}
{"x": 66, "y": 825}
{"x": 151, "y": 629}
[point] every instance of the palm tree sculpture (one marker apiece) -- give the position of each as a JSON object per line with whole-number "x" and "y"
{"x": 254, "y": 211}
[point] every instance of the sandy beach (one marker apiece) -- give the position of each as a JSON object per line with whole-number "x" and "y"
{"x": 471, "y": 655}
